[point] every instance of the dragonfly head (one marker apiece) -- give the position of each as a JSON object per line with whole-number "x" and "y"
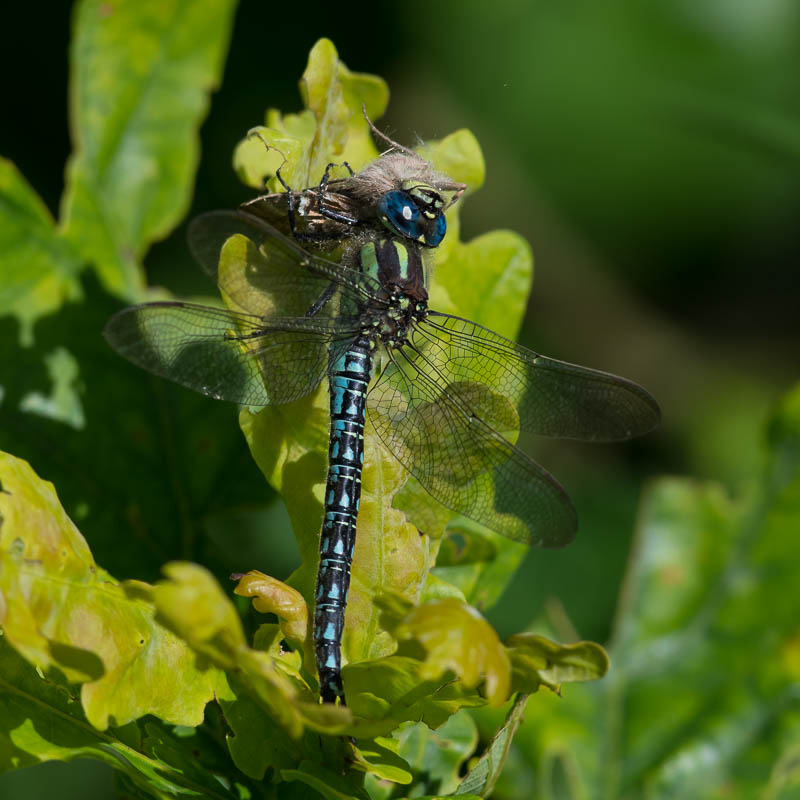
{"x": 414, "y": 211}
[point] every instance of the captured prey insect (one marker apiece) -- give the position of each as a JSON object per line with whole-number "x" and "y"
{"x": 446, "y": 396}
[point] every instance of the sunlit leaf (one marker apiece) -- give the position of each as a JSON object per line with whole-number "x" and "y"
{"x": 331, "y": 128}
{"x": 271, "y": 596}
{"x": 141, "y": 74}
{"x": 39, "y": 268}
{"x": 335, "y": 95}
{"x": 42, "y": 720}
{"x": 59, "y": 609}
{"x": 191, "y": 603}
{"x": 393, "y": 689}
{"x": 490, "y": 562}
{"x": 456, "y": 638}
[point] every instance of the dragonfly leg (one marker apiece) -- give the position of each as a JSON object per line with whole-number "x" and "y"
{"x": 290, "y": 203}
{"x": 323, "y": 185}
{"x": 322, "y": 300}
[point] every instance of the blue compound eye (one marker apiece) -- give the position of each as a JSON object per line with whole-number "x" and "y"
{"x": 400, "y": 214}
{"x": 435, "y": 236}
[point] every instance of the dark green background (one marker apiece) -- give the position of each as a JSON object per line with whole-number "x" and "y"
{"x": 649, "y": 151}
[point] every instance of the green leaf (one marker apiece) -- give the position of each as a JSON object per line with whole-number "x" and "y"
{"x": 256, "y": 742}
{"x": 141, "y": 74}
{"x": 701, "y": 700}
{"x": 42, "y": 720}
{"x": 261, "y": 749}
{"x": 380, "y": 758}
{"x": 457, "y": 638}
{"x": 500, "y": 269}
{"x": 191, "y": 604}
{"x": 484, "y": 569}
{"x": 459, "y": 156}
{"x": 537, "y": 660}
{"x": 331, "y": 128}
{"x": 481, "y": 778}
{"x": 59, "y": 609}
{"x": 330, "y": 785}
{"x": 394, "y": 690}
{"x": 437, "y": 756}
{"x": 265, "y": 150}
{"x": 335, "y": 96}
{"x": 39, "y": 269}
{"x": 289, "y": 445}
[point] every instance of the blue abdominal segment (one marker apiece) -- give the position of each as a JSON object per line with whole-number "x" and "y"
{"x": 349, "y": 377}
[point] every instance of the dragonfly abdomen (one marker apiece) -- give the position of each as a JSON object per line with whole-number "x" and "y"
{"x": 349, "y": 377}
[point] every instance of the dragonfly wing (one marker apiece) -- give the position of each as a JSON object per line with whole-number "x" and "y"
{"x": 262, "y": 272}
{"x": 551, "y": 398}
{"x": 227, "y": 355}
{"x": 430, "y": 426}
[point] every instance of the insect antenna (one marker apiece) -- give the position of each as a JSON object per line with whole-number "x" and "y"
{"x": 391, "y": 142}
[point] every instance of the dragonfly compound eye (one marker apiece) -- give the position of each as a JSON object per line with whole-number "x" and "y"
{"x": 399, "y": 213}
{"x": 436, "y": 231}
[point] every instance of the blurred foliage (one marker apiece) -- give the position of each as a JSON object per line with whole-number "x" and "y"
{"x": 655, "y": 141}
{"x": 702, "y": 700}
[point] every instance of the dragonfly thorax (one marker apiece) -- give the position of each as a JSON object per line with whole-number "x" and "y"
{"x": 396, "y": 266}
{"x": 392, "y": 324}
{"x": 399, "y": 269}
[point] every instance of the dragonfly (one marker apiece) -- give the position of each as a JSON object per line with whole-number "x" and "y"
{"x": 445, "y": 395}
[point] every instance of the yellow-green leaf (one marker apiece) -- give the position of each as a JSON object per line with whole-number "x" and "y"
{"x": 330, "y": 128}
{"x": 380, "y": 757}
{"x": 39, "y": 269}
{"x": 59, "y": 609}
{"x": 393, "y": 690}
{"x": 141, "y": 74}
{"x": 536, "y": 659}
{"x": 457, "y": 638}
{"x": 191, "y": 603}
{"x": 271, "y": 596}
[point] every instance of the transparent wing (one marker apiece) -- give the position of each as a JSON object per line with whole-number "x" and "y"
{"x": 439, "y": 431}
{"x": 451, "y": 403}
{"x": 551, "y": 398}
{"x": 228, "y": 355}
{"x": 264, "y": 273}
